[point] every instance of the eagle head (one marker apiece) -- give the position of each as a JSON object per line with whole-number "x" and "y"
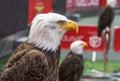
{"x": 47, "y": 30}
{"x": 77, "y": 46}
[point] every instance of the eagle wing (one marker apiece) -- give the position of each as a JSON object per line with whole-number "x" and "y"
{"x": 105, "y": 19}
{"x": 27, "y": 65}
{"x": 71, "y": 69}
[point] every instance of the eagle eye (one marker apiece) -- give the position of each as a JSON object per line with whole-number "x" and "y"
{"x": 61, "y": 22}
{"x": 53, "y": 27}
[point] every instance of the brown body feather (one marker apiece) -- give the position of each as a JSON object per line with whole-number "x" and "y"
{"x": 28, "y": 63}
{"x": 71, "y": 69}
{"x": 105, "y": 19}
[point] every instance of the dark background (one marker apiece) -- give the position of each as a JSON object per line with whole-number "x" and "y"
{"x": 59, "y": 6}
{"x": 13, "y": 16}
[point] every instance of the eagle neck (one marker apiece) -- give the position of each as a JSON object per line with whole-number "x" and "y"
{"x": 45, "y": 42}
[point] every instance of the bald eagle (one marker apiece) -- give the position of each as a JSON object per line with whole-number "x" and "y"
{"x": 37, "y": 58}
{"x": 71, "y": 69}
{"x": 105, "y": 19}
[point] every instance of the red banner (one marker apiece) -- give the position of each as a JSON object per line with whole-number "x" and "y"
{"x": 117, "y": 38}
{"x": 38, "y": 6}
{"x": 103, "y": 2}
{"x": 86, "y": 3}
{"x": 86, "y": 33}
{"x": 70, "y": 4}
{"x": 118, "y": 3}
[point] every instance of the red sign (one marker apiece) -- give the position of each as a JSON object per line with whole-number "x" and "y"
{"x": 117, "y": 38}
{"x": 70, "y": 4}
{"x": 103, "y": 2}
{"x": 86, "y": 3}
{"x": 38, "y": 6}
{"x": 86, "y": 33}
{"x": 118, "y": 3}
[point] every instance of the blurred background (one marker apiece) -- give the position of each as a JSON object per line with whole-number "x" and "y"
{"x": 16, "y": 17}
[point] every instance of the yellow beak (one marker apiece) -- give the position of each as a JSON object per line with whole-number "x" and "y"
{"x": 85, "y": 44}
{"x": 70, "y": 25}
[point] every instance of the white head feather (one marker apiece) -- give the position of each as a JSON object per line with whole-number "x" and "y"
{"x": 45, "y": 32}
{"x": 77, "y": 46}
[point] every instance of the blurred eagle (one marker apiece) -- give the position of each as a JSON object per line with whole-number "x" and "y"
{"x": 37, "y": 58}
{"x": 105, "y": 19}
{"x": 71, "y": 68}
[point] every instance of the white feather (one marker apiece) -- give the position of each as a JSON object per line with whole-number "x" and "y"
{"x": 77, "y": 47}
{"x": 42, "y": 35}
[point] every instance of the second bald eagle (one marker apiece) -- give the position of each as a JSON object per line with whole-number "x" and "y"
{"x": 71, "y": 69}
{"x": 105, "y": 19}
